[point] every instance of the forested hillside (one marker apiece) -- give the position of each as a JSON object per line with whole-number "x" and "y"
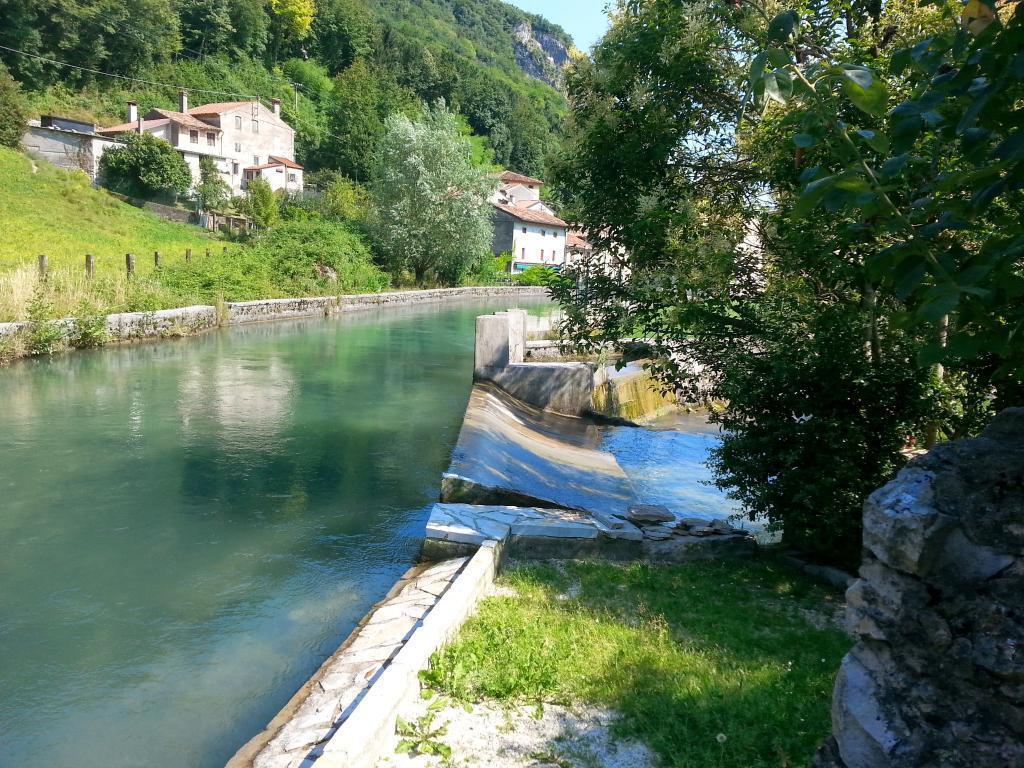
{"x": 340, "y": 67}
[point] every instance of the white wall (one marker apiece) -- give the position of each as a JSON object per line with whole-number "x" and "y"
{"x": 529, "y": 245}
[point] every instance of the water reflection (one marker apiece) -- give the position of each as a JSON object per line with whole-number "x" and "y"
{"x": 188, "y": 528}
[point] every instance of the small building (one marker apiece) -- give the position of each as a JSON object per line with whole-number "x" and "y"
{"x": 74, "y": 145}
{"x": 245, "y": 139}
{"x": 525, "y": 226}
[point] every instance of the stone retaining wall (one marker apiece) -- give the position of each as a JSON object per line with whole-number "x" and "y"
{"x": 186, "y": 321}
{"x": 937, "y": 675}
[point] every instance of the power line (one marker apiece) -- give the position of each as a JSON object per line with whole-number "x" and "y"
{"x": 295, "y": 115}
{"x": 126, "y": 77}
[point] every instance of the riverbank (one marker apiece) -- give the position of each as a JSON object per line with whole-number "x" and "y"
{"x": 47, "y": 336}
{"x": 713, "y": 663}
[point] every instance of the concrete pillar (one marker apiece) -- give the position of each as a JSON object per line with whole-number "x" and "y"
{"x": 183, "y": 101}
{"x": 133, "y": 112}
{"x": 276, "y": 103}
{"x": 492, "y": 345}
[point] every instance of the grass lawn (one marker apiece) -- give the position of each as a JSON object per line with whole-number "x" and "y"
{"x": 720, "y": 664}
{"x": 56, "y": 212}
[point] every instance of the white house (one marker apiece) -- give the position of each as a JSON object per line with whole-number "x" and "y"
{"x": 525, "y": 226}
{"x": 245, "y": 139}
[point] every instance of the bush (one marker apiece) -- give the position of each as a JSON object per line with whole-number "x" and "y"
{"x": 261, "y": 204}
{"x": 314, "y": 257}
{"x": 13, "y": 110}
{"x": 89, "y": 329}
{"x": 44, "y": 335}
{"x": 534, "y": 276}
{"x": 310, "y": 257}
{"x": 146, "y": 166}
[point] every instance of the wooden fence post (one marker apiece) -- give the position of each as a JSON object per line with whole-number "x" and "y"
{"x": 225, "y": 249}
{"x": 156, "y": 259}
{"x": 129, "y": 263}
{"x": 207, "y": 252}
{"x": 43, "y": 265}
{"x": 90, "y": 265}
{"x": 188, "y": 255}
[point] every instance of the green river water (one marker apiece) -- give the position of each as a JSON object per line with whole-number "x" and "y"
{"x": 187, "y": 529}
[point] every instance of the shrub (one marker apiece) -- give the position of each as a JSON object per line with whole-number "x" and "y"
{"x": 89, "y": 328}
{"x": 534, "y": 276}
{"x": 13, "y": 110}
{"x": 261, "y": 204}
{"x": 310, "y": 257}
{"x": 146, "y": 166}
{"x": 44, "y": 335}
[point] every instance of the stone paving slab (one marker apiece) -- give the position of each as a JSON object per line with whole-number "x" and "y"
{"x": 320, "y": 708}
{"x": 472, "y": 524}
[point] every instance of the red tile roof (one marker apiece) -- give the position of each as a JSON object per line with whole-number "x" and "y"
{"x": 527, "y": 214}
{"x": 511, "y": 177}
{"x": 186, "y": 120}
{"x": 575, "y": 240}
{"x": 219, "y": 107}
{"x": 114, "y": 130}
{"x": 286, "y": 162}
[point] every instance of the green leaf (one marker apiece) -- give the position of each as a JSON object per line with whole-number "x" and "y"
{"x": 778, "y": 57}
{"x": 865, "y": 91}
{"x": 877, "y": 141}
{"x": 778, "y": 85}
{"x": 757, "y": 68}
{"x": 812, "y": 195}
{"x": 403, "y": 727}
{"x": 405, "y": 746}
{"x": 784, "y": 26}
{"x": 804, "y": 140}
{"x": 894, "y": 165}
{"x": 939, "y": 301}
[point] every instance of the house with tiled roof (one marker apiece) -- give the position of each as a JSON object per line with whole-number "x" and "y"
{"x": 525, "y": 226}
{"x": 245, "y": 139}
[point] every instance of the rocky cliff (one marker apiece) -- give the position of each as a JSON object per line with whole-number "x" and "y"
{"x": 540, "y": 54}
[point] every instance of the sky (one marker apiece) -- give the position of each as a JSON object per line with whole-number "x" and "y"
{"x": 585, "y": 20}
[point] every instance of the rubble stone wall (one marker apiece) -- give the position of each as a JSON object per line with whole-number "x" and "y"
{"x": 936, "y": 677}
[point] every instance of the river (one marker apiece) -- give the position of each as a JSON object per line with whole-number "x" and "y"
{"x": 187, "y": 529}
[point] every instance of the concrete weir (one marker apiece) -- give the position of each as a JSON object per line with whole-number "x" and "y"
{"x": 527, "y": 479}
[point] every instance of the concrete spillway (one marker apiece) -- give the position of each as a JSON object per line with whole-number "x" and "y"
{"x": 511, "y": 453}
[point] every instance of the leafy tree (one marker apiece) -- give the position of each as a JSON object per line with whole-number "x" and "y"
{"x": 145, "y": 166}
{"x": 809, "y": 266}
{"x": 260, "y": 204}
{"x": 251, "y": 26}
{"x": 291, "y": 21}
{"x": 206, "y": 25}
{"x": 347, "y": 200}
{"x": 212, "y": 193}
{"x": 343, "y": 31}
{"x": 432, "y": 217}
{"x": 119, "y": 36}
{"x": 13, "y": 111}
{"x": 362, "y": 99}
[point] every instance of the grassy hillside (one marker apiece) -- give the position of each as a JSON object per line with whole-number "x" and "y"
{"x": 47, "y": 210}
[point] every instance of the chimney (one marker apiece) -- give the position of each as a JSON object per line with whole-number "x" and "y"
{"x": 277, "y": 106}
{"x": 183, "y": 101}
{"x": 133, "y": 112}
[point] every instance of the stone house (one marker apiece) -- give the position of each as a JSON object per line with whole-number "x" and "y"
{"x": 525, "y": 226}
{"x": 72, "y": 144}
{"x": 245, "y": 139}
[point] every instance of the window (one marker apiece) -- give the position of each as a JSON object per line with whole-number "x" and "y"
{"x": 234, "y": 169}
{"x": 255, "y": 159}
{"x": 211, "y": 139}
{"x": 193, "y": 137}
{"x": 524, "y": 253}
{"x": 524, "y": 230}
{"x": 543, "y": 233}
{"x": 255, "y": 126}
{"x": 238, "y": 146}
{"x": 292, "y": 177}
{"x": 238, "y": 122}
{"x": 542, "y": 254}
